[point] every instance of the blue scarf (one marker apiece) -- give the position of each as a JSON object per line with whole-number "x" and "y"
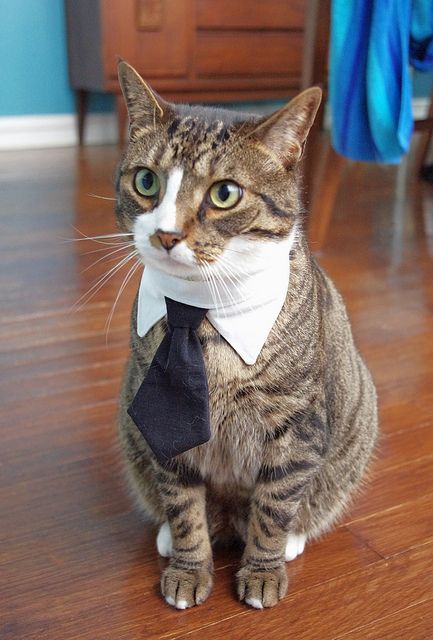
{"x": 373, "y": 42}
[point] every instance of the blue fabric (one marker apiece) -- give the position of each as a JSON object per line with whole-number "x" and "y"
{"x": 421, "y": 36}
{"x": 372, "y": 44}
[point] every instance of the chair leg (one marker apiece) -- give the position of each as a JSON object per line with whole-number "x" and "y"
{"x": 324, "y": 198}
{"x": 425, "y": 141}
{"x": 423, "y": 151}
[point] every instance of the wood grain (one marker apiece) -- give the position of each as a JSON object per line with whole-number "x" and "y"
{"x": 331, "y": 608}
{"x": 394, "y": 486}
{"x": 217, "y": 54}
{"x": 77, "y": 561}
{"x": 399, "y": 528}
{"x": 414, "y": 622}
{"x": 275, "y": 14}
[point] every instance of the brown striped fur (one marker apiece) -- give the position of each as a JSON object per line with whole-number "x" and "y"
{"x": 293, "y": 433}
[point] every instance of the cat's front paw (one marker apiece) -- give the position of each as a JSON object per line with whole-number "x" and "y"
{"x": 183, "y": 588}
{"x": 261, "y": 588}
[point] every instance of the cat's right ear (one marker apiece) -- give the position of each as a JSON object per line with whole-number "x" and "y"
{"x": 144, "y": 105}
{"x": 285, "y": 131}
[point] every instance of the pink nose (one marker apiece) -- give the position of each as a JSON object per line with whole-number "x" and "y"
{"x": 169, "y": 240}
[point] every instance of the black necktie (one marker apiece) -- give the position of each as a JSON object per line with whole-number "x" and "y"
{"x": 171, "y": 407}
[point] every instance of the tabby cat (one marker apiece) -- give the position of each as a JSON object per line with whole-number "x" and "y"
{"x": 292, "y": 433}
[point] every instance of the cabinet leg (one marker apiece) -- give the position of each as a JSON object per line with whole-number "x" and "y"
{"x": 122, "y": 119}
{"x": 81, "y": 96}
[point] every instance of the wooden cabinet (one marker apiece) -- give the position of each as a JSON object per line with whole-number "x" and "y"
{"x": 189, "y": 50}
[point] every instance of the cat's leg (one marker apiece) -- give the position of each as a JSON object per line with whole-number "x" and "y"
{"x": 164, "y": 543}
{"x": 139, "y": 471}
{"x": 295, "y": 545}
{"x": 187, "y": 580}
{"x": 291, "y": 460}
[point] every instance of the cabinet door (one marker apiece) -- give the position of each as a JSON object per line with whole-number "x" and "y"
{"x": 152, "y": 35}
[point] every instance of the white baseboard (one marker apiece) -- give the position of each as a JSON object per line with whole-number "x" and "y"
{"x": 420, "y": 107}
{"x": 57, "y": 130}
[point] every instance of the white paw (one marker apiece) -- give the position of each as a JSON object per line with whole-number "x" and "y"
{"x": 163, "y": 541}
{"x": 254, "y": 602}
{"x": 295, "y": 546}
{"x": 179, "y": 604}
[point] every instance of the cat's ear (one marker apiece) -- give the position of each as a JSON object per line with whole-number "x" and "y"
{"x": 285, "y": 131}
{"x": 143, "y": 104}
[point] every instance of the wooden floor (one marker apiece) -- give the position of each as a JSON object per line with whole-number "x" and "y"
{"x": 76, "y": 560}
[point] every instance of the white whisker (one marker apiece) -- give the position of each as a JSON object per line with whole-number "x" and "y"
{"x": 237, "y": 284}
{"x": 210, "y": 283}
{"x": 94, "y": 195}
{"x": 95, "y": 239}
{"x": 236, "y": 268}
{"x": 234, "y": 281}
{"x": 224, "y": 284}
{"x": 108, "y": 248}
{"x": 84, "y": 299}
{"x": 122, "y": 287}
{"x": 112, "y": 252}
{"x": 122, "y": 244}
{"x": 217, "y": 291}
{"x": 203, "y": 270}
{"x": 240, "y": 253}
{"x": 228, "y": 269}
{"x": 99, "y": 239}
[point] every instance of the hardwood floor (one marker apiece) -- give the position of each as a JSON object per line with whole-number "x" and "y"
{"x": 76, "y": 559}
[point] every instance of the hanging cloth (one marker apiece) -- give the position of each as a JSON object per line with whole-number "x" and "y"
{"x": 370, "y": 84}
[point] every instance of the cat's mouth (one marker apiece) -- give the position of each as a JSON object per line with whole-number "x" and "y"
{"x": 179, "y": 261}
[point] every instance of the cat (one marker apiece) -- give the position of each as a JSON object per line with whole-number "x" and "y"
{"x": 292, "y": 433}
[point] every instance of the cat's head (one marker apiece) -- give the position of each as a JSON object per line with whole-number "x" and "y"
{"x": 199, "y": 185}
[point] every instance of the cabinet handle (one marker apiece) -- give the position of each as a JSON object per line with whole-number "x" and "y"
{"x": 149, "y": 14}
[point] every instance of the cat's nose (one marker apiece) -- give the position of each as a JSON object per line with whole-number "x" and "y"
{"x": 169, "y": 239}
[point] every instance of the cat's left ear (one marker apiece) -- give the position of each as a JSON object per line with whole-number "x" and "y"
{"x": 285, "y": 131}
{"x": 143, "y": 104}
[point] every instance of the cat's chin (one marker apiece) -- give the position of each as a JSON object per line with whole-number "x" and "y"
{"x": 173, "y": 267}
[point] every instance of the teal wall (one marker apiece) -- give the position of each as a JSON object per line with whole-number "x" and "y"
{"x": 33, "y": 60}
{"x": 422, "y": 84}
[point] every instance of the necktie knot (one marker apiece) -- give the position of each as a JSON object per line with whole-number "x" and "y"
{"x": 180, "y": 315}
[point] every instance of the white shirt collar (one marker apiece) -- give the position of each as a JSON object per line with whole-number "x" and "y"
{"x": 243, "y": 311}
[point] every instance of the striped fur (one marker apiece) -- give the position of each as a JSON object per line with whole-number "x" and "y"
{"x": 292, "y": 434}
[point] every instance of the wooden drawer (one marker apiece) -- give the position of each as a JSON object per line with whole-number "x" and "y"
{"x": 250, "y": 14}
{"x": 251, "y": 54}
{"x": 154, "y": 42}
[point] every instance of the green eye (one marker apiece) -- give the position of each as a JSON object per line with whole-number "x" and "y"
{"x": 147, "y": 183}
{"x": 225, "y": 194}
